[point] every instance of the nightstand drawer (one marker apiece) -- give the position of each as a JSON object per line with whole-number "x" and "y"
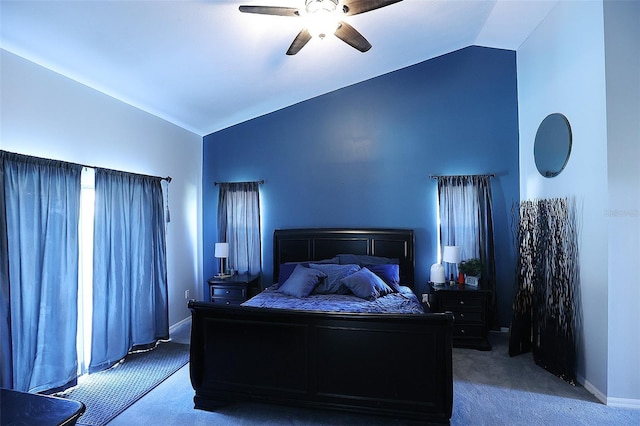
{"x": 229, "y": 292}
{"x": 468, "y": 317}
{"x": 455, "y": 301}
{"x": 234, "y": 289}
{"x": 469, "y": 306}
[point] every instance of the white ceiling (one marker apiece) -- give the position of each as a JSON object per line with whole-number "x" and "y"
{"x": 205, "y": 66}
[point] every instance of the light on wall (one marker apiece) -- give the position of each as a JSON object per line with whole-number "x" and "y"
{"x": 222, "y": 253}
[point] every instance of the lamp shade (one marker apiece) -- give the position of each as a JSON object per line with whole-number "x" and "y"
{"x": 451, "y": 254}
{"x": 437, "y": 273}
{"x": 222, "y": 250}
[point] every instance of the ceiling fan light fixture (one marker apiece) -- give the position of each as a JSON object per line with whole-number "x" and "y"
{"x": 313, "y": 6}
{"x": 322, "y": 17}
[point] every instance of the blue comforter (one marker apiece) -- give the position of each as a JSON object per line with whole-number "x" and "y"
{"x": 402, "y": 302}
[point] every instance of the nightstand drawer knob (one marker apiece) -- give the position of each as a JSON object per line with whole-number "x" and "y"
{"x": 228, "y": 302}
{"x": 462, "y": 331}
{"x": 461, "y": 315}
{"x": 462, "y": 302}
{"x": 227, "y": 292}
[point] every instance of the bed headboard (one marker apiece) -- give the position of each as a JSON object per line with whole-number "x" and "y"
{"x": 298, "y": 245}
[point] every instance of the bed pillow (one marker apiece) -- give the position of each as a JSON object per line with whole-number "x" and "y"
{"x": 301, "y": 281}
{"x": 366, "y": 285}
{"x": 335, "y": 273}
{"x": 390, "y": 274}
{"x": 286, "y": 269}
{"x": 332, "y": 260}
{"x": 364, "y": 260}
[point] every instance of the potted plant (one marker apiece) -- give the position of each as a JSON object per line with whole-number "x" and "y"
{"x": 472, "y": 269}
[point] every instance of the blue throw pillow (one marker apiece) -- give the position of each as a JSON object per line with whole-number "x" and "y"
{"x": 334, "y": 273}
{"x": 366, "y": 285}
{"x": 390, "y": 274}
{"x": 301, "y": 281}
{"x": 286, "y": 269}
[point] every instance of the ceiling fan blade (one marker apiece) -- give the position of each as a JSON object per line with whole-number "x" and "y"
{"x": 298, "y": 43}
{"x": 271, "y": 10}
{"x": 355, "y": 7}
{"x": 353, "y": 38}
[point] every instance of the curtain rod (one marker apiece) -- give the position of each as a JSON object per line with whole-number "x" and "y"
{"x": 437, "y": 176}
{"x": 260, "y": 182}
{"x": 168, "y": 178}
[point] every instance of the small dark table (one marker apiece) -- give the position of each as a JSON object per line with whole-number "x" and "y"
{"x": 470, "y": 307}
{"x": 22, "y": 408}
{"x": 233, "y": 290}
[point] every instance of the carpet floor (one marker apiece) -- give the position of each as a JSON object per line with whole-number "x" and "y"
{"x": 107, "y": 393}
{"x": 490, "y": 388}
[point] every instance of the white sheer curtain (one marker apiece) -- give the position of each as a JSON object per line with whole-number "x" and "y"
{"x": 466, "y": 220}
{"x": 239, "y": 225}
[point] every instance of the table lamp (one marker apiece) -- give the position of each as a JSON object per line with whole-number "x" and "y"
{"x": 221, "y": 252}
{"x": 451, "y": 254}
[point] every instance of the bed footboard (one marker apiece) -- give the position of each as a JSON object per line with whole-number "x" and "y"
{"x": 394, "y": 365}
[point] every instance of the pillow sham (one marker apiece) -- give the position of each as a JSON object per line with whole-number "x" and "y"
{"x": 301, "y": 281}
{"x": 332, "y": 260}
{"x": 366, "y": 285}
{"x": 390, "y": 274}
{"x": 335, "y": 273}
{"x": 364, "y": 260}
{"x": 287, "y": 268}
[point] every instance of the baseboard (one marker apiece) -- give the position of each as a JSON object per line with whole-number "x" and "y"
{"x": 179, "y": 323}
{"x": 592, "y": 389}
{"x": 624, "y": 403}
{"x": 612, "y": 402}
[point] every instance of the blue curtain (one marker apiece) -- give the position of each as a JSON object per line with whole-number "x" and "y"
{"x": 40, "y": 205}
{"x": 239, "y": 225}
{"x": 6, "y": 361}
{"x": 130, "y": 307}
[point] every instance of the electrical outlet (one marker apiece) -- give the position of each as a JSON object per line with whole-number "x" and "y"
{"x": 186, "y": 294}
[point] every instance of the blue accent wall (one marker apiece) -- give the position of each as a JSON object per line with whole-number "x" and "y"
{"x": 361, "y": 156}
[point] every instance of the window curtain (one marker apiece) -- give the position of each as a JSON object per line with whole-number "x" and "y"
{"x": 40, "y": 204}
{"x": 239, "y": 225}
{"x": 130, "y": 307}
{"x": 466, "y": 220}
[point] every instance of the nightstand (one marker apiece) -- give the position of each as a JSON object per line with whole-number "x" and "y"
{"x": 233, "y": 290}
{"x": 470, "y": 307}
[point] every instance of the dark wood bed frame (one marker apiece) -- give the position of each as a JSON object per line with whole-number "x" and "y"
{"x": 382, "y": 364}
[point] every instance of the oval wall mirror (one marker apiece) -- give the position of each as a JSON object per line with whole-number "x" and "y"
{"x": 552, "y": 146}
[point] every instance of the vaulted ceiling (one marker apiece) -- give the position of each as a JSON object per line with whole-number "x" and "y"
{"x": 205, "y": 66}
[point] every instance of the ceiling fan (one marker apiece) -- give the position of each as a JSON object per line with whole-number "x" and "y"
{"x": 323, "y": 17}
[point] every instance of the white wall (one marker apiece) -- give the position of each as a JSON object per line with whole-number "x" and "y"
{"x": 584, "y": 61}
{"x": 622, "y": 53}
{"x": 48, "y": 115}
{"x": 561, "y": 69}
